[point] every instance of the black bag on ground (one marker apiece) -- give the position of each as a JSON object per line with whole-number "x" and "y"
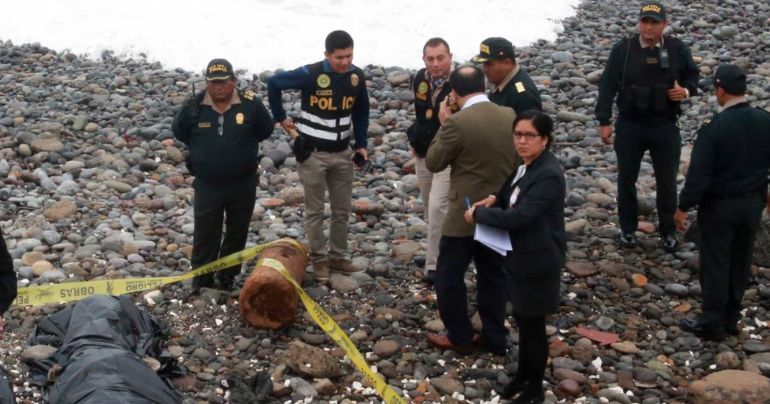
{"x": 102, "y": 343}
{"x": 6, "y": 388}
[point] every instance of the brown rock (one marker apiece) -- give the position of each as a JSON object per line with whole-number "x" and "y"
{"x": 582, "y": 269}
{"x": 311, "y": 361}
{"x": 60, "y": 210}
{"x": 41, "y": 267}
{"x": 325, "y": 387}
{"x": 569, "y": 374}
{"x": 46, "y": 144}
{"x": 292, "y": 195}
{"x": 32, "y": 257}
{"x": 627, "y": 347}
{"x": 558, "y": 348}
{"x": 367, "y": 207}
{"x": 639, "y": 280}
{"x": 404, "y": 250}
{"x": 385, "y": 348}
{"x": 730, "y": 386}
{"x": 727, "y": 360}
{"x": 174, "y": 154}
{"x": 568, "y": 388}
{"x": 646, "y": 227}
{"x": 271, "y": 203}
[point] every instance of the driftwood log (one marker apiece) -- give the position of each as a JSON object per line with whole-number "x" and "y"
{"x": 267, "y": 299}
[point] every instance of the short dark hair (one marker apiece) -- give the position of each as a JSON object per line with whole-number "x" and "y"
{"x": 338, "y": 40}
{"x": 434, "y": 42}
{"x": 542, "y": 123}
{"x": 467, "y": 79}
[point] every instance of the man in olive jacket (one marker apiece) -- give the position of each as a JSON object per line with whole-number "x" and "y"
{"x": 477, "y": 143}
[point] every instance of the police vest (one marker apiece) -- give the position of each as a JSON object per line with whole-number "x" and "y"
{"x": 647, "y": 79}
{"x": 325, "y": 119}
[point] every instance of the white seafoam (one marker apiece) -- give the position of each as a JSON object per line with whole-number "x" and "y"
{"x": 263, "y": 35}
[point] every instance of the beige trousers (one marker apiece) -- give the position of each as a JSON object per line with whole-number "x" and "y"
{"x": 434, "y": 189}
{"x": 332, "y": 172}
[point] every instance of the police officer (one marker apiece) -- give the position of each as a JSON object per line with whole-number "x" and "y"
{"x": 431, "y": 86}
{"x": 7, "y": 281}
{"x": 222, "y": 127}
{"x": 335, "y": 110}
{"x": 727, "y": 181}
{"x": 651, "y": 74}
{"x": 513, "y": 87}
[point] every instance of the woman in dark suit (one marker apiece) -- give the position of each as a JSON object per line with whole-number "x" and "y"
{"x": 530, "y": 205}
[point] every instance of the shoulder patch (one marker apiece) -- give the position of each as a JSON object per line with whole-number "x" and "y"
{"x": 249, "y": 95}
{"x": 520, "y": 87}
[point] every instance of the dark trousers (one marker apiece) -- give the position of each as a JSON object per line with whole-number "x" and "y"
{"x": 214, "y": 206}
{"x": 665, "y": 145}
{"x": 533, "y": 350}
{"x": 455, "y": 253}
{"x": 728, "y": 229}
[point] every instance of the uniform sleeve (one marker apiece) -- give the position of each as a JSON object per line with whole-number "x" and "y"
{"x": 701, "y": 171}
{"x": 609, "y": 85}
{"x": 181, "y": 126}
{"x": 538, "y": 199}
{"x": 526, "y": 102}
{"x": 7, "y": 277}
{"x": 292, "y": 80}
{"x": 360, "y": 115}
{"x": 264, "y": 122}
{"x": 444, "y": 148}
{"x": 690, "y": 74}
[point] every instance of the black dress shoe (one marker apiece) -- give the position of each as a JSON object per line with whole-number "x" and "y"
{"x": 531, "y": 395}
{"x": 430, "y": 277}
{"x": 699, "y": 330}
{"x": 512, "y": 388}
{"x": 733, "y": 329}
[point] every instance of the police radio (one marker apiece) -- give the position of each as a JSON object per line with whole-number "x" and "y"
{"x": 665, "y": 61}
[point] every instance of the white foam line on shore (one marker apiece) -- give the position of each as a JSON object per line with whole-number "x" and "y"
{"x": 262, "y": 35}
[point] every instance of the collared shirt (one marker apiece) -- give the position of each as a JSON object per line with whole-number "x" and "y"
{"x": 476, "y": 99}
{"x": 508, "y": 78}
{"x": 234, "y": 99}
{"x": 659, "y": 44}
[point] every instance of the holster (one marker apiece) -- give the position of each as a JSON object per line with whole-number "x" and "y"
{"x": 301, "y": 149}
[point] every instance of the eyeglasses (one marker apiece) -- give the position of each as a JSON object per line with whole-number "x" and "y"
{"x": 525, "y": 135}
{"x": 221, "y": 122}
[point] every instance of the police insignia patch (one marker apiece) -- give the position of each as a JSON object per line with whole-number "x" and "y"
{"x": 422, "y": 88}
{"x": 354, "y": 79}
{"x": 204, "y": 124}
{"x": 239, "y": 118}
{"x": 520, "y": 87}
{"x": 323, "y": 81}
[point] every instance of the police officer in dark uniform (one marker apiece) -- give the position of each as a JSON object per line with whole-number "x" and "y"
{"x": 727, "y": 181}
{"x": 651, "y": 74}
{"x": 431, "y": 87}
{"x": 335, "y": 110}
{"x": 222, "y": 128}
{"x": 513, "y": 86}
{"x": 7, "y": 281}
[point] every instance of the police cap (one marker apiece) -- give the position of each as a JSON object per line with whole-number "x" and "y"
{"x": 654, "y": 10}
{"x": 494, "y": 48}
{"x": 219, "y": 69}
{"x": 730, "y": 78}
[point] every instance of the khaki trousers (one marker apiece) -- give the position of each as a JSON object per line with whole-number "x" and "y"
{"x": 332, "y": 172}
{"x": 434, "y": 188}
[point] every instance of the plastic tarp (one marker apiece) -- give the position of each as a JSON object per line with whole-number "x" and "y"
{"x": 6, "y": 389}
{"x": 102, "y": 342}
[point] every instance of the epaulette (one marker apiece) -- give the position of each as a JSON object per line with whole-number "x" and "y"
{"x": 249, "y": 95}
{"x": 520, "y": 87}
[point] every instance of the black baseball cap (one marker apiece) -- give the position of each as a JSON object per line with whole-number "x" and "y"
{"x": 494, "y": 48}
{"x": 219, "y": 69}
{"x": 653, "y": 10}
{"x": 730, "y": 78}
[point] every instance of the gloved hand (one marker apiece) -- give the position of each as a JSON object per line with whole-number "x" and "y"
{"x": 301, "y": 151}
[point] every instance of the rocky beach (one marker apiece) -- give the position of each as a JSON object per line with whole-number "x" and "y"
{"x": 93, "y": 186}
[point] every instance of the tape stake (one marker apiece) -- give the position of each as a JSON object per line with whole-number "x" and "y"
{"x": 330, "y": 327}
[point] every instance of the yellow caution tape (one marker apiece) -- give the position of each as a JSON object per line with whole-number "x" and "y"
{"x": 73, "y": 291}
{"x": 330, "y": 327}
